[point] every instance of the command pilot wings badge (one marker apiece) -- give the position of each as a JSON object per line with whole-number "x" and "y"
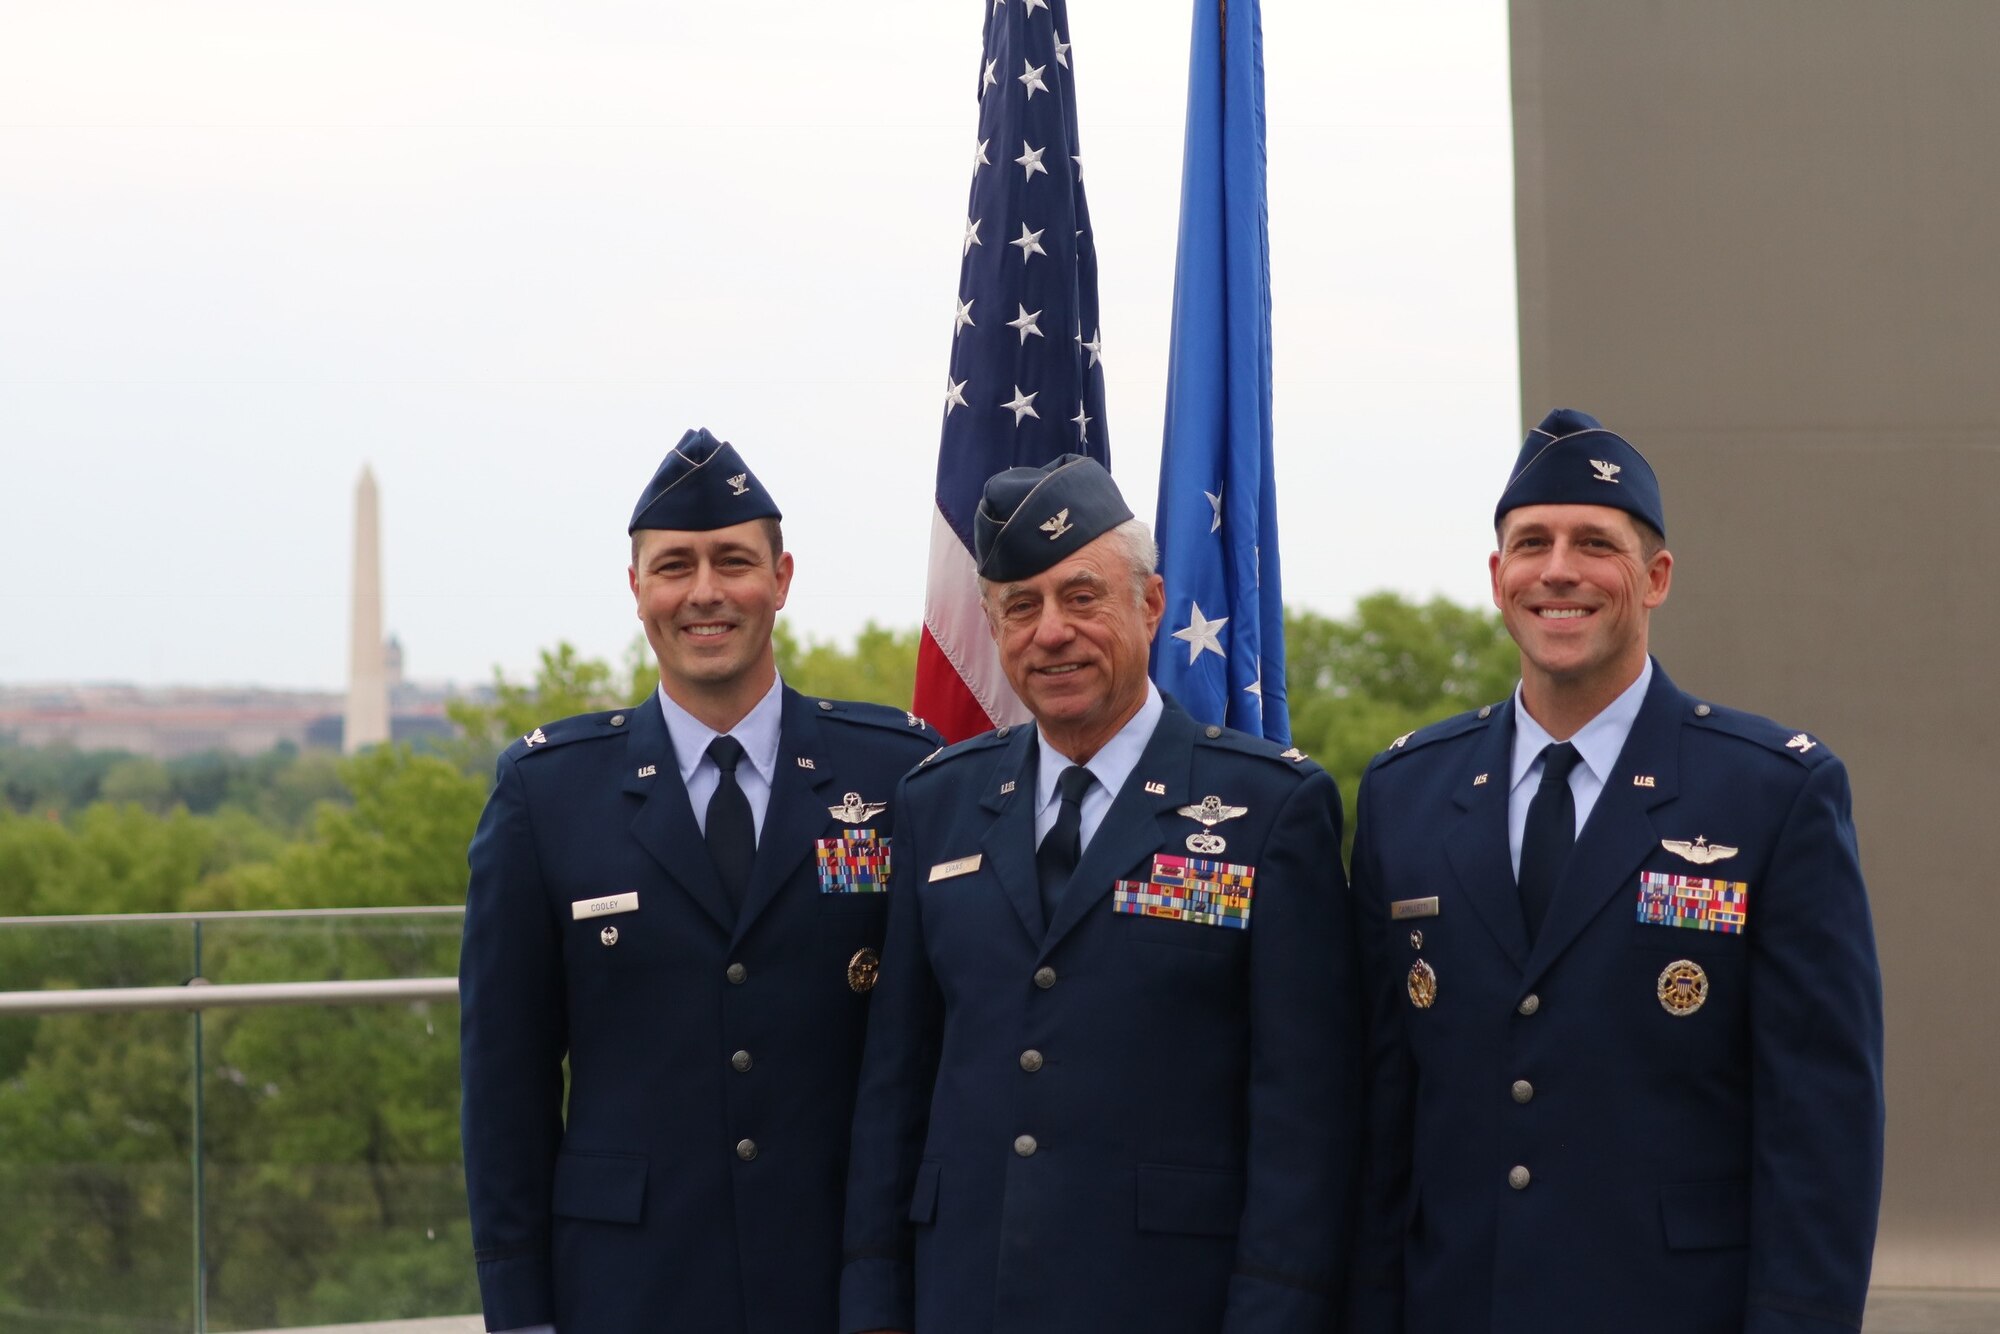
{"x": 1057, "y": 526}
{"x": 853, "y": 810}
{"x": 1606, "y": 472}
{"x": 1701, "y": 852}
{"x": 1211, "y": 812}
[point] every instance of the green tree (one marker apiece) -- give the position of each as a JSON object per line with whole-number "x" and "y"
{"x": 880, "y": 668}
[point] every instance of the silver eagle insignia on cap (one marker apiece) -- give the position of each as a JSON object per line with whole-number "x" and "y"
{"x": 1606, "y": 472}
{"x": 1058, "y": 525}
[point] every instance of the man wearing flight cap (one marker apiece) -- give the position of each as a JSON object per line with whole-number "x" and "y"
{"x": 1626, "y": 1019}
{"x": 684, "y": 899}
{"x": 1110, "y": 1080}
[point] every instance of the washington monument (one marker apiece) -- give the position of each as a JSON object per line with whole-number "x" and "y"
{"x": 367, "y": 681}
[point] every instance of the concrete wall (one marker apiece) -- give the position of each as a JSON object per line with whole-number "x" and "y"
{"x": 1762, "y": 239}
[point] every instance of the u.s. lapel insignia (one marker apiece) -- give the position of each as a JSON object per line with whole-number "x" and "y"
{"x": 647, "y": 771}
{"x": 535, "y": 738}
{"x": 1211, "y": 812}
{"x": 805, "y": 762}
{"x": 1006, "y": 787}
{"x": 1422, "y": 985}
{"x": 1479, "y": 780}
{"x": 1606, "y": 472}
{"x": 864, "y": 970}
{"x": 1643, "y": 780}
{"x": 739, "y": 485}
{"x": 1156, "y": 789}
{"x": 1701, "y": 852}
{"x": 1801, "y": 743}
{"x": 1057, "y": 525}
{"x": 853, "y": 810}
{"x": 1682, "y": 988}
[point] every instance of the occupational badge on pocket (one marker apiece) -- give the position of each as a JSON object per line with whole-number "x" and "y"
{"x": 855, "y": 863}
{"x": 1189, "y": 889}
{"x": 1422, "y": 985}
{"x": 1682, "y": 988}
{"x": 1694, "y": 902}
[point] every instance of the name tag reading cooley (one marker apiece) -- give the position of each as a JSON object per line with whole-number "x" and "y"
{"x": 603, "y": 907}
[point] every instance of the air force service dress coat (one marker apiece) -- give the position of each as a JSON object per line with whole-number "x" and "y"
{"x": 695, "y": 1186}
{"x": 1632, "y": 1125}
{"x": 1110, "y": 1121}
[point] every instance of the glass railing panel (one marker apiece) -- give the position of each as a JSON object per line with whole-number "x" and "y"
{"x": 97, "y": 1208}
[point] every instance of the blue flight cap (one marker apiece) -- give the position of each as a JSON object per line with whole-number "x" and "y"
{"x": 1570, "y": 459}
{"x": 1032, "y": 518}
{"x": 702, "y": 484}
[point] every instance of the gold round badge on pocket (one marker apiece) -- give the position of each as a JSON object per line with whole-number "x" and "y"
{"x": 864, "y": 970}
{"x": 1683, "y": 988}
{"x": 1423, "y": 985}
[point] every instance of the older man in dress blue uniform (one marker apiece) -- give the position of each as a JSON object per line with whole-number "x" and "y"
{"x": 1626, "y": 1019}
{"x": 1110, "y": 1077}
{"x": 684, "y": 899}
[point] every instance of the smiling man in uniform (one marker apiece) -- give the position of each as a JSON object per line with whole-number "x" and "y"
{"x": 683, "y": 899}
{"x": 1625, "y": 1014}
{"x": 1110, "y": 1081}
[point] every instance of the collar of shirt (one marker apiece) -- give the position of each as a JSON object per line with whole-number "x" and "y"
{"x": 1597, "y": 743}
{"x": 1111, "y": 766}
{"x": 758, "y": 733}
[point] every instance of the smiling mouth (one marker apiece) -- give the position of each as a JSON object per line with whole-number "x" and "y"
{"x": 1562, "y": 613}
{"x": 1063, "y": 669}
{"x": 709, "y": 631}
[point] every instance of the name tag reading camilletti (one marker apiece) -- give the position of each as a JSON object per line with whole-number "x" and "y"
{"x": 604, "y": 907}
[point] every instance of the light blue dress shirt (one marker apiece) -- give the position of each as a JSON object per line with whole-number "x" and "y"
{"x": 1597, "y": 743}
{"x": 758, "y": 733}
{"x": 1111, "y": 766}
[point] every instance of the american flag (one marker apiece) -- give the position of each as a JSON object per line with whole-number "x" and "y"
{"x": 1026, "y": 381}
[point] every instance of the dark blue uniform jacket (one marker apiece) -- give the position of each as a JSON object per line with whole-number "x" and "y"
{"x": 696, "y": 1184}
{"x": 1711, "y": 1170}
{"x": 1110, "y": 1122}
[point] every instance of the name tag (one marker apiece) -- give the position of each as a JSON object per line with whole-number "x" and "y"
{"x": 962, "y": 866}
{"x": 616, "y": 903}
{"x": 1404, "y": 909}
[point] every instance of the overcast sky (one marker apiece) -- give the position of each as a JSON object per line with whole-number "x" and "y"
{"x": 505, "y": 253}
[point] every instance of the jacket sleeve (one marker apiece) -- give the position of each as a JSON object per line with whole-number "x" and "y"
{"x": 512, "y": 1030}
{"x": 1816, "y": 1072}
{"x": 1304, "y": 1092}
{"x": 892, "y": 1109}
{"x": 1375, "y": 1278}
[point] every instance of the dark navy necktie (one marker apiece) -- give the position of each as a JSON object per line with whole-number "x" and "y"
{"x": 1062, "y": 846}
{"x": 1550, "y": 833}
{"x": 730, "y": 829}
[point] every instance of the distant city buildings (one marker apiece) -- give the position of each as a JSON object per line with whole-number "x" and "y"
{"x": 166, "y": 722}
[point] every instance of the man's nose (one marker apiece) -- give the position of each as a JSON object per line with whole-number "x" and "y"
{"x": 1052, "y": 627}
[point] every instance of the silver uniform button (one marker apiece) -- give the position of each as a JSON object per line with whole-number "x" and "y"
{"x": 1529, "y": 1003}
{"x": 826, "y": 705}
{"x": 1031, "y": 1060}
{"x": 1211, "y": 731}
{"x": 1025, "y": 1145}
{"x": 740, "y": 1061}
{"x": 617, "y": 720}
{"x": 1518, "y": 1178}
{"x": 1045, "y": 977}
{"x": 1702, "y": 710}
{"x": 746, "y": 1149}
{"x": 736, "y": 972}
{"x": 1523, "y": 1091}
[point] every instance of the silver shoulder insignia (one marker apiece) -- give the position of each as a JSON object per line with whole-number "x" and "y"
{"x": 1801, "y": 743}
{"x": 933, "y": 755}
{"x": 1294, "y": 755}
{"x": 1701, "y": 852}
{"x": 535, "y": 738}
{"x": 914, "y": 720}
{"x": 1393, "y": 745}
{"x": 1211, "y": 812}
{"x": 853, "y": 810}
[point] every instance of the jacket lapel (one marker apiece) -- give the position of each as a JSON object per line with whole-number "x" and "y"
{"x": 665, "y": 825}
{"x": 798, "y": 810}
{"x": 1009, "y": 843}
{"x": 1130, "y": 832}
{"x": 1477, "y": 845}
{"x": 1619, "y": 834}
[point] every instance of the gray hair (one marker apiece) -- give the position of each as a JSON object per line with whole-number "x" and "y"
{"x": 1133, "y": 539}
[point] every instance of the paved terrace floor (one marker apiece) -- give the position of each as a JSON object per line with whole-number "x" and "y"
{"x": 1890, "y": 1311}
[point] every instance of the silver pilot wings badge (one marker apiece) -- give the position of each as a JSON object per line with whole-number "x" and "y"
{"x": 1701, "y": 852}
